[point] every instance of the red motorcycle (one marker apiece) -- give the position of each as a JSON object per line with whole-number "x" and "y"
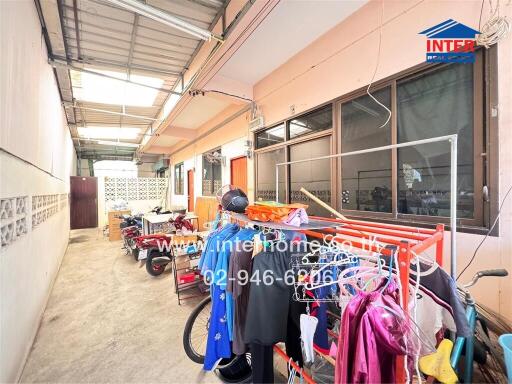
{"x": 156, "y": 249}
{"x": 128, "y": 235}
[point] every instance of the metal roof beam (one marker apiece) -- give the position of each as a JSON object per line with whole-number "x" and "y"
{"x": 77, "y": 28}
{"x": 141, "y": 7}
{"x": 212, "y": 4}
{"x": 76, "y": 105}
{"x": 139, "y": 44}
{"x": 131, "y": 52}
{"x": 90, "y": 61}
{"x": 165, "y": 18}
{"x": 106, "y": 52}
{"x": 132, "y": 42}
{"x": 95, "y": 15}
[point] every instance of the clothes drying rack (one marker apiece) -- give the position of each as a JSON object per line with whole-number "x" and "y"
{"x": 408, "y": 241}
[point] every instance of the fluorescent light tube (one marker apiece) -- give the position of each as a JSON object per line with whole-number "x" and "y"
{"x": 163, "y": 17}
{"x": 117, "y": 143}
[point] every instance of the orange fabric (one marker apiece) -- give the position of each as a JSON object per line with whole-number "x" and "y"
{"x": 267, "y": 213}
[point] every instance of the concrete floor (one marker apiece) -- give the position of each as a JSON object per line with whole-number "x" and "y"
{"x": 107, "y": 320}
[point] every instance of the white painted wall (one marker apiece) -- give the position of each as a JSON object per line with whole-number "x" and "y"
{"x": 146, "y": 170}
{"x": 230, "y": 150}
{"x": 36, "y": 158}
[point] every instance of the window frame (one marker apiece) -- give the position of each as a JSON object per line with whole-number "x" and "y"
{"x": 478, "y": 132}
{"x": 213, "y": 191}
{"x": 179, "y": 183}
{"x": 287, "y": 143}
{"x": 485, "y": 144}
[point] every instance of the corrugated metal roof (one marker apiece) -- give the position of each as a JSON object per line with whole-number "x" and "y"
{"x": 102, "y": 36}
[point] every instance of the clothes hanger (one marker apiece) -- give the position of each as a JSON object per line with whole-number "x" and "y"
{"x": 310, "y": 283}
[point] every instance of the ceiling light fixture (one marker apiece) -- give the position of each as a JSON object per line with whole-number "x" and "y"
{"x": 165, "y": 18}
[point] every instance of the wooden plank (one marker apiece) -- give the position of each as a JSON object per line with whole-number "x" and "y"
{"x": 114, "y": 220}
{"x": 205, "y": 209}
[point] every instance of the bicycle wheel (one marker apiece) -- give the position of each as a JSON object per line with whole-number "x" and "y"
{"x": 493, "y": 369}
{"x": 236, "y": 369}
{"x": 196, "y": 331}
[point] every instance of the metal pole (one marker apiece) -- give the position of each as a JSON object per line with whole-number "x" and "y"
{"x": 375, "y": 149}
{"x": 453, "y": 181}
{"x": 277, "y": 184}
{"x": 453, "y": 206}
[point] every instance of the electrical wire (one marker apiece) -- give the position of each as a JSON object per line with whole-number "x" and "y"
{"x": 227, "y": 94}
{"x": 487, "y": 234}
{"x": 377, "y": 67}
{"x": 495, "y": 29}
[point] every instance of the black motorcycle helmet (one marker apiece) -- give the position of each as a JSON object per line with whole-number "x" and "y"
{"x": 234, "y": 200}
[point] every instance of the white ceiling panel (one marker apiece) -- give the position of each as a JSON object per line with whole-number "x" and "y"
{"x": 199, "y": 111}
{"x": 291, "y": 26}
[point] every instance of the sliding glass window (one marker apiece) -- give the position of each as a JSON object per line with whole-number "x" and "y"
{"x": 212, "y": 172}
{"x": 313, "y": 122}
{"x": 270, "y": 136}
{"x": 413, "y": 183}
{"x": 300, "y": 138}
{"x": 436, "y": 104}
{"x": 313, "y": 175}
{"x": 366, "y": 178}
{"x": 266, "y": 175}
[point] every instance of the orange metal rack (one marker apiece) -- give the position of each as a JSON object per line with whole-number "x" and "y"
{"x": 409, "y": 240}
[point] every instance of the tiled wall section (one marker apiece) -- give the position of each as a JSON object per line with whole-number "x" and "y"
{"x": 18, "y": 216}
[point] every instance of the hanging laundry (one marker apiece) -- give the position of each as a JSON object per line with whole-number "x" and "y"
{"x": 307, "y": 332}
{"x": 272, "y": 315}
{"x": 371, "y": 337}
{"x": 438, "y": 303}
{"x": 240, "y": 265}
{"x": 218, "y": 345}
{"x": 232, "y": 244}
{"x": 276, "y": 212}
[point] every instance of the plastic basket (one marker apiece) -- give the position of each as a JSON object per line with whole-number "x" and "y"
{"x": 506, "y": 344}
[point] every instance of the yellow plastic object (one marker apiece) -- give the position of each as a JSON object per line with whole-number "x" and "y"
{"x": 438, "y": 364}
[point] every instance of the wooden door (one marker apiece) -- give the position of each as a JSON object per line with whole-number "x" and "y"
{"x": 84, "y": 202}
{"x": 190, "y": 189}
{"x": 239, "y": 173}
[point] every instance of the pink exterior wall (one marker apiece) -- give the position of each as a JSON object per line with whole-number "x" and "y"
{"x": 344, "y": 59}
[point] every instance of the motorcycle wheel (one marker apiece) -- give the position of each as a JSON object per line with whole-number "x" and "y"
{"x": 154, "y": 269}
{"x": 135, "y": 253}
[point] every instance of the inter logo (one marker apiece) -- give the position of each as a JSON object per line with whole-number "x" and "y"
{"x": 450, "y": 42}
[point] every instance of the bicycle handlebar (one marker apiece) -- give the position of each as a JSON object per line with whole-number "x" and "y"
{"x": 493, "y": 272}
{"x": 501, "y": 272}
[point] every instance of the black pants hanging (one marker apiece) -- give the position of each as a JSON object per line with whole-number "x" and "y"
{"x": 262, "y": 356}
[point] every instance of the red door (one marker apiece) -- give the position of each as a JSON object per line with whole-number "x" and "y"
{"x": 190, "y": 184}
{"x": 239, "y": 173}
{"x": 84, "y": 202}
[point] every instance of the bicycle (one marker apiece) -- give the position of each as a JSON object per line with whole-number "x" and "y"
{"x": 236, "y": 369}
{"x": 482, "y": 347}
